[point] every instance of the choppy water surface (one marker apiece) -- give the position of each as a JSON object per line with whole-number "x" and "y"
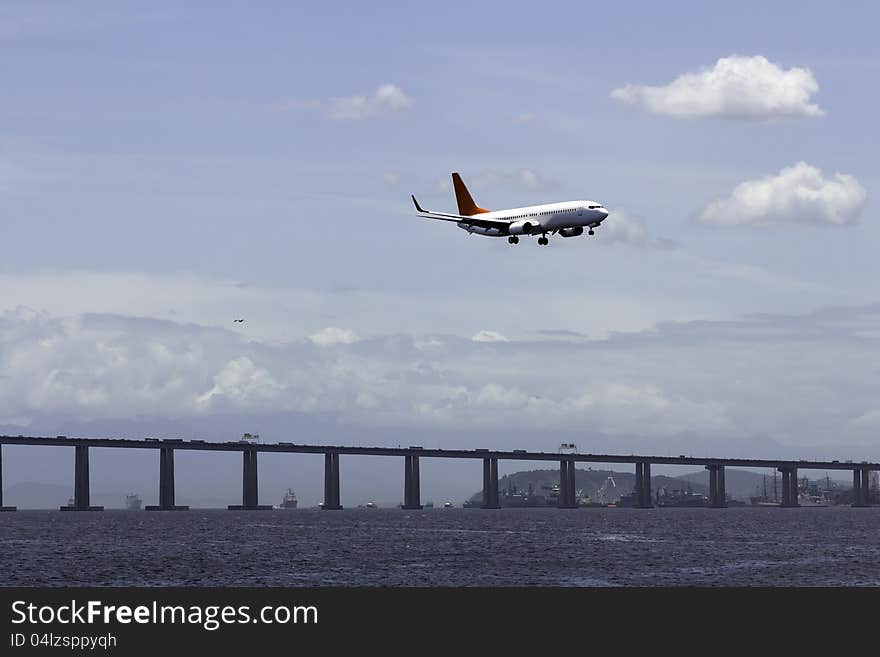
{"x": 443, "y": 547}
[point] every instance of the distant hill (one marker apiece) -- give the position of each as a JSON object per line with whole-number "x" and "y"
{"x": 590, "y": 481}
{"x": 739, "y": 484}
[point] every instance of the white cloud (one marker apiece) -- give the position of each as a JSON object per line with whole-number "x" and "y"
{"x": 799, "y": 194}
{"x": 331, "y": 335}
{"x": 391, "y": 178}
{"x": 488, "y": 336}
{"x": 624, "y": 228}
{"x": 241, "y": 382}
{"x": 387, "y": 99}
{"x": 623, "y": 408}
{"x": 735, "y": 87}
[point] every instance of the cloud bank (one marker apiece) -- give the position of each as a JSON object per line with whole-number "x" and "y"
{"x": 799, "y": 194}
{"x": 799, "y": 379}
{"x": 734, "y": 88}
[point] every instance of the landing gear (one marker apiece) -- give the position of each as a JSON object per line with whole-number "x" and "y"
{"x": 543, "y": 241}
{"x": 513, "y": 239}
{"x": 591, "y": 232}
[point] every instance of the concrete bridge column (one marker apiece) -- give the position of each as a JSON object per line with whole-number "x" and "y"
{"x": 331, "y": 482}
{"x": 407, "y": 481}
{"x": 249, "y": 491}
{"x": 713, "y": 484}
{"x": 638, "y": 487}
{"x": 643, "y": 485}
{"x": 490, "y": 483}
{"x": 562, "y": 501}
{"x": 166, "y": 483}
{"x": 717, "y": 491}
{"x": 789, "y": 486}
{"x": 786, "y": 487}
{"x": 793, "y": 481}
{"x": 866, "y": 490}
{"x": 493, "y": 476}
{"x": 81, "y": 482}
{"x": 857, "y": 488}
{"x": 860, "y": 488}
{"x": 567, "y": 485}
{"x": 3, "y": 508}
{"x": 411, "y": 486}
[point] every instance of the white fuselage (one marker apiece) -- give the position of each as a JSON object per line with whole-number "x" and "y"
{"x": 538, "y": 219}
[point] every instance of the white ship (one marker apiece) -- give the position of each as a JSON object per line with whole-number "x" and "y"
{"x": 289, "y": 500}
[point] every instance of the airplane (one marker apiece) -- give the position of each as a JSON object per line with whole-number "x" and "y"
{"x": 238, "y": 320}
{"x": 568, "y": 218}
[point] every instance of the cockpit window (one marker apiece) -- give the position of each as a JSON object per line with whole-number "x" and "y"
{"x": 594, "y": 207}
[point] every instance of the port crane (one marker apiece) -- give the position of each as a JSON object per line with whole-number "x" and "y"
{"x": 600, "y": 494}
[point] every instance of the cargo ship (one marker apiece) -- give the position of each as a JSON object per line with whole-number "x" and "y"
{"x": 133, "y": 502}
{"x": 515, "y": 498}
{"x": 289, "y": 500}
{"x": 680, "y": 497}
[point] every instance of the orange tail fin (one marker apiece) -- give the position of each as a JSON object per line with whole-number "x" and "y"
{"x": 466, "y": 205}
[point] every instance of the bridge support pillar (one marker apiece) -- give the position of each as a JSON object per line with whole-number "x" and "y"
{"x": 643, "y": 486}
{"x": 789, "y": 486}
{"x": 857, "y": 489}
{"x": 490, "y": 483}
{"x": 81, "y": 482}
{"x": 3, "y": 508}
{"x": 249, "y": 494}
{"x": 331, "y": 482}
{"x": 411, "y": 487}
{"x": 717, "y": 488}
{"x": 861, "y": 492}
{"x": 166, "y": 483}
{"x": 567, "y": 495}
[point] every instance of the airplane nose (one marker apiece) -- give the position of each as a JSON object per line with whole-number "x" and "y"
{"x": 603, "y": 213}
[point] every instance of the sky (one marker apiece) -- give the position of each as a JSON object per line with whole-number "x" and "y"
{"x": 165, "y": 169}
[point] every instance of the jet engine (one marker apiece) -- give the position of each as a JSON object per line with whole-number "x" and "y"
{"x": 571, "y": 232}
{"x": 520, "y": 228}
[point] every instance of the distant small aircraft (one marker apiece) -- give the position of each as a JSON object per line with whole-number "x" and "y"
{"x": 238, "y": 320}
{"x": 568, "y": 218}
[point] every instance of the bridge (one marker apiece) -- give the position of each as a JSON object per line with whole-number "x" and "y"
{"x": 411, "y": 456}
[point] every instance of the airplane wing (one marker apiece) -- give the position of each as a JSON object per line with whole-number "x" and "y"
{"x": 473, "y": 221}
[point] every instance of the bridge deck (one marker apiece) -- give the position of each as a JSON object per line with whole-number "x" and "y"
{"x": 514, "y": 455}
